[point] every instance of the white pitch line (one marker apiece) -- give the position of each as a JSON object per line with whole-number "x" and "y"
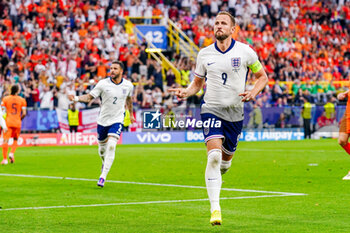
{"x": 279, "y": 194}
{"x": 204, "y": 149}
{"x": 288, "y": 150}
{"x": 137, "y": 203}
{"x": 152, "y": 184}
{"x": 239, "y": 149}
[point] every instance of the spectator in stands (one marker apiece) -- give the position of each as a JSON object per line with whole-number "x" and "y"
{"x": 46, "y": 99}
{"x": 147, "y": 99}
{"x": 73, "y": 118}
{"x": 330, "y": 90}
{"x": 169, "y": 118}
{"x": 306, "y": 115}
{"x": 170, "y": 78}
{"x": 157, "y": 77}
{"x": 317, "y": 92}
{"x": 62, "y": 98}
{"x": 149, "y": 84}
{"x": 35, "y": 93}
{"x": 329, "y": 109}
{"x": 277, "y": 91}
{"x": 127, "y": 121}
{"x": 281, "y": 122}
{"x": 255, "y": 116}
{"x": 148, "y": 13}
{"x": 157, "y": 96}
{"x": 296, "y": 86}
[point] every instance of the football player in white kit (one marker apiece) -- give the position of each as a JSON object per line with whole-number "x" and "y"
{"x": 224, "y": 67}
{"x": 2, "y": 121}
{"x": 114, "y": 92}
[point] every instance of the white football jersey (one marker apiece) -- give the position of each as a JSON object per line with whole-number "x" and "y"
{"x": 226, "y": 74}
{"x": 113, "y": 97}
{"x": 2, "y": 120}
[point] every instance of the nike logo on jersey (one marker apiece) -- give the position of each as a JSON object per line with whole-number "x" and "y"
{"x": 210, "y": 63}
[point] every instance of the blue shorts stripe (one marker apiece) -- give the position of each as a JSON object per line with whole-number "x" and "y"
{"x": 229, "y": 131}
{"x": 227, "y": 151}
{"x": 214, "y": 136}
{"x": 113, "y": 130}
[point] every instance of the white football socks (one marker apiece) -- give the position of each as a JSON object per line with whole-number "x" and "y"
{"x": 225, "y": 166}
{"x": 109, "y": 156}
{"x": 213, "y": 178}
{"x": 102, "y": 149}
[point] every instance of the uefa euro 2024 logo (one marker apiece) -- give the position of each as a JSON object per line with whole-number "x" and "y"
{"x": 151, "y": 120}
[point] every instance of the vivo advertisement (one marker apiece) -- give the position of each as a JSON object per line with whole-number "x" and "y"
{"x": 153, "y": 137}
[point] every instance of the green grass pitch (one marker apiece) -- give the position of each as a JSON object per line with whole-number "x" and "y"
{"x": 309, "y": 167}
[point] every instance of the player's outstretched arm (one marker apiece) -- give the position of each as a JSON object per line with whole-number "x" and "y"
{"x": 195, "y": 86}
{"x": 83, "y": 98}
{"x": 260, "y": 84}
{"x": 342, "y": 96}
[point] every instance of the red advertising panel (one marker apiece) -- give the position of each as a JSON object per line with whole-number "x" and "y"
{"x": 51, "y": 139}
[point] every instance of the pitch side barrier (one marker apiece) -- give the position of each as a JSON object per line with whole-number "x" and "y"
{"x": 197, "y": 136}
{"x": 272, "y": 117}
{"x": 70, "y": 139}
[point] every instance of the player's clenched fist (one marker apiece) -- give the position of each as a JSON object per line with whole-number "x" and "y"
{"x": 247, "y": 96}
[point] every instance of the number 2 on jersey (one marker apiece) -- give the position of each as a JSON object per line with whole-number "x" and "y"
{"x": 115, "y": 100}
{"x": 224, "y": 77}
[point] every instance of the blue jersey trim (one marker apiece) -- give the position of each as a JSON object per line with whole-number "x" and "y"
{"x": 116, "y": 83}
{"x": 229, "y": 48}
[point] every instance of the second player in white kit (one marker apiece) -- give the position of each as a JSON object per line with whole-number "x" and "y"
{"x": 115, "y": 92}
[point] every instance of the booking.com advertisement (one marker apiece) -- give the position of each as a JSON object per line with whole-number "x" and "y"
{"x": 198, "y": 136}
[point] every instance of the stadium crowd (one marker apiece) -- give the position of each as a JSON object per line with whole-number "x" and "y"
{"x": 55, "y": 48}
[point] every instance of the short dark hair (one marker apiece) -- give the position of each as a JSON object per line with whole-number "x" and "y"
{"x": 229, "y": 15}
{"x": 119, "y": 63}
{"x": 14, "y": 89}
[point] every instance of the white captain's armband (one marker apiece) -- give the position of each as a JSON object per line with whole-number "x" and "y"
{"x": 256, "y": 66}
